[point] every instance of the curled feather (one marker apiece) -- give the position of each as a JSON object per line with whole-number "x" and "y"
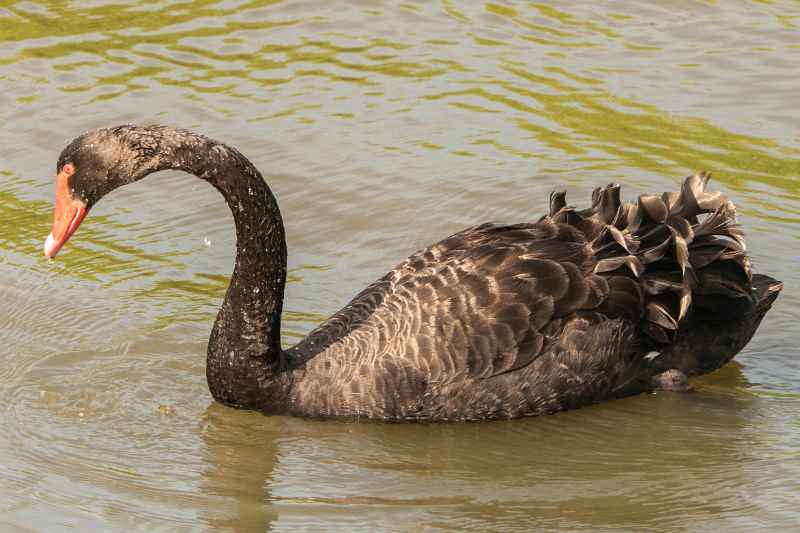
{"x": 672, "y": 247}
{"x": 558, "y": 201}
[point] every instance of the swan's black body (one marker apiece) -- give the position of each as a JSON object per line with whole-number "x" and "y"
{"x": 497, "y": 321}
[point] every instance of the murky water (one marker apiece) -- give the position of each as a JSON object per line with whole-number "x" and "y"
{"x": 381, "y": 126}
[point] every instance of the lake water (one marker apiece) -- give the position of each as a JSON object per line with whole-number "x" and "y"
{"x": 382, "y": 127}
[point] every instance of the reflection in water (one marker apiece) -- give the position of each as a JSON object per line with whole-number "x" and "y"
{"x": 240, "y": 469}
{"x": 381, "y": 127}
{"x": 650, "y": 462}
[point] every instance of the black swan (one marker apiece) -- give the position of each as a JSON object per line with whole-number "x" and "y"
{"x": 497, "y": 321}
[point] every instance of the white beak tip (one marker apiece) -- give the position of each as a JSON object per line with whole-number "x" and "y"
{"x": 49, "y": 246}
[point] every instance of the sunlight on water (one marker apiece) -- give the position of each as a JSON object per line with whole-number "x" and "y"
{"x": 381, "y": 127}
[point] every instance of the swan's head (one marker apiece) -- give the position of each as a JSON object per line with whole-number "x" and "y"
{"x": 90, "y": 167}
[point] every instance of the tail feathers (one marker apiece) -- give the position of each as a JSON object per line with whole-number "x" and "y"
{"x": 674, "y": 246}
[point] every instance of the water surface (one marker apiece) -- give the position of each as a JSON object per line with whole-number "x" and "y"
{"x": 382, "y": 127}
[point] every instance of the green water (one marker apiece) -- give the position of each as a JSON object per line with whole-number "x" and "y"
{"x": 382, "y": 127}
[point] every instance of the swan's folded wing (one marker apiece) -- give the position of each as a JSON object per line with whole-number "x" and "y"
{"x": 472, "y": 306}
{"x": 484, "y": 302}
{"x": 491, "y": 299}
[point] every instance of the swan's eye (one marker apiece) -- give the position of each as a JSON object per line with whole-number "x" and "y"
{"x": 68, "y": 169}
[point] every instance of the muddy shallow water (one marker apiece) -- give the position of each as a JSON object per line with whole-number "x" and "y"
{"x": 381, "y": 127}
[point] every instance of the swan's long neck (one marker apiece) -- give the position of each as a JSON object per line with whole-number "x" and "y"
{"x": 244, "y": 366}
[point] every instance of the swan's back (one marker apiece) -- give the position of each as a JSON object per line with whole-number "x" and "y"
{"x": 501, "y": 321}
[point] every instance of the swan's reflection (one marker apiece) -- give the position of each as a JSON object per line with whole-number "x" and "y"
{"x": 642, "y": 462}
{"x": 241, "y": 452}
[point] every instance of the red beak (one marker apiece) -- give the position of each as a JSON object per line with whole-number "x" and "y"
{"x": 67, "y": 214}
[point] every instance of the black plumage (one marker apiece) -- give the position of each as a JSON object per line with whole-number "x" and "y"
{"x": 496, "y": 321}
